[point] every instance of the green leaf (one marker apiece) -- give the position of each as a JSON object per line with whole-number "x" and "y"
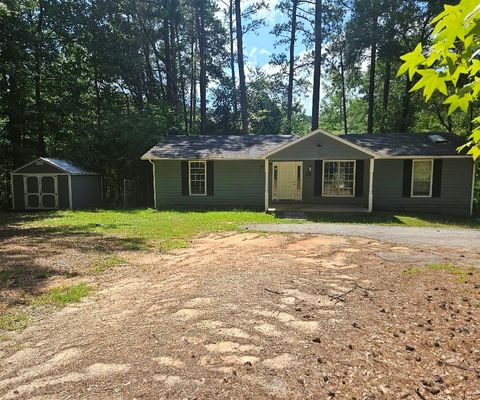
{"x": 412, "y": 61}
{"x": 459, "y": 101}
{"x": 430, "y": 81}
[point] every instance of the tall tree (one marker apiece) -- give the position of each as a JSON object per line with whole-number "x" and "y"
{"x": 241, "y": 68}
{"x": 317, "y": 65}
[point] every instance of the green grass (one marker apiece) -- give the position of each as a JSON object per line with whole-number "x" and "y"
{"x": 415, "y": 220}
{"x": 61, "y": 296}
{"x": 165, "y": 230}
{"x": 140, "y": 229}
{"x": 411, "y": 271}
{"x": 463, "y": 274}
{"x": 13, "y": 321}
{"x": 106, "y": 263}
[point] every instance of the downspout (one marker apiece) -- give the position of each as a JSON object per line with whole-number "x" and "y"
{"x": 154, "y": 185}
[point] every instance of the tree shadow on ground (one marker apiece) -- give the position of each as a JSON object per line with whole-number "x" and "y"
{"x": 29, "y": 256}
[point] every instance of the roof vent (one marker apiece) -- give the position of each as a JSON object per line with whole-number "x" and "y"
{"x": 437, "y": 138}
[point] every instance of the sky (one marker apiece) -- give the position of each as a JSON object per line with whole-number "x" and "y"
{"x": 259, "y": 45}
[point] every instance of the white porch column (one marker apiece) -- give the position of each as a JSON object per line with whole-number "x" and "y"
{"x": 473, "y": 189}
{"x": 370, "y": 187}
{"x": 266, "y": 184}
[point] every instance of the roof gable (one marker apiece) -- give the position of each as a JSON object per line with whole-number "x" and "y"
{"x": 51, "y": 165}
{"x": 323, "y": 138}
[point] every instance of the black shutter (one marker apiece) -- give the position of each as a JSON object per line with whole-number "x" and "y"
{"x": 318, "y": 176}
{"x": 185, "y": 189}
{"x": 437, "y": 178}
{"x": 407, "y": 178}
{"x": 210, "y": 178}
{"x": 360, "y": 167}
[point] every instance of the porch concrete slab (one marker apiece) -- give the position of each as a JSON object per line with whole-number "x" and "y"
{"x": 435, "y": 237}
{"x": 333, "y": 208}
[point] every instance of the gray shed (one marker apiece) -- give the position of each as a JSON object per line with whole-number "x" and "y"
{"x": 50, "y": 184}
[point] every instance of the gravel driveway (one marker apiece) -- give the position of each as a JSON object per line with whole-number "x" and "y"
{"x": 443, "y": 237}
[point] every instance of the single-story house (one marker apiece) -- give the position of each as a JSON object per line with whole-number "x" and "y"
{"x": 50, "y": 183}
{"x": 316, "y": 172}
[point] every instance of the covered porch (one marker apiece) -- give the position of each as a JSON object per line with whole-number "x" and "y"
{"x": 319, "y": 186}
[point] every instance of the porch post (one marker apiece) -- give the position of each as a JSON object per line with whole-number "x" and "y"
{"x": 370, "y": 187}
{"x": 266, "y": 184}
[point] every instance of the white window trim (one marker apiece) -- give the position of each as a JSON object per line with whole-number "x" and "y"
{"x": 431, "y": 178}
{"x": 354, "y": 179}
{"x": 190, "y": 181}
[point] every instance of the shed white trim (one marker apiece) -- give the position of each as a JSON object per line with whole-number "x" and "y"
{"x": 325, "y": 133}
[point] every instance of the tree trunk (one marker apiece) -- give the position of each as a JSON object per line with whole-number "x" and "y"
{"x": 317, "y": 65}
{"x": 371, "y": 87}
{"x": 241, "y": 69}
{"x": 404, "y": 121}
{"x": 291, "y": 66}
{"x": 232, "y": 59}
{"x": 203, "y": 65}
{"x": 193, "y": 85}
{"x": 173, "y": 55}
{"x": 344, "y": 94}
{"x": 41, "y": 147}
{"x": 386, "y": 93}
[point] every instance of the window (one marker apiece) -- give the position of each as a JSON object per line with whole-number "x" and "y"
{"x": 339, "y": 178}
{"x": 198, "y": 178}
{"x": 422, "y": 172}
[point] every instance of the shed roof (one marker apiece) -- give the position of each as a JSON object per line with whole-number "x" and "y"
{"x": 238, "y": 147}
{"x": 63, "y": 165}
{"x": 408, "y": 144}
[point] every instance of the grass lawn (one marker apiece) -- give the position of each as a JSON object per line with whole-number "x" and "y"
{"x": 166, "y": 230}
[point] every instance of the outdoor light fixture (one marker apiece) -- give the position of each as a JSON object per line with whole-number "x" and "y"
{"x": 309, "y": 170}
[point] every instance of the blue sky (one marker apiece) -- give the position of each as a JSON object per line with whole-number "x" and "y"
{"x": 259, "y": 45}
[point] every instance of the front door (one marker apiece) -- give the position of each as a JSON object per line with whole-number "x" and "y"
{"x": 287, "y": 181}
{"x": 40, "y": 191}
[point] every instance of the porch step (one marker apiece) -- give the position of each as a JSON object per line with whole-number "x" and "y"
{"x": 293, "y": 215}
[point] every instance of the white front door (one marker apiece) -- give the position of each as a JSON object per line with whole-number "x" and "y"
{"x": 287, "y": 181}
{"x": 41, "y": 191}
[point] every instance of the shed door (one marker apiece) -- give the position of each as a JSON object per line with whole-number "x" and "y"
{"x": 41, "y": 191}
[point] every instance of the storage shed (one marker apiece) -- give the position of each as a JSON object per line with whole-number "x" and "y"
{"x": 50, "y": 184}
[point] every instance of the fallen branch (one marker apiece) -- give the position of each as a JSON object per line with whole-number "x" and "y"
{"x": 273, "y": 291}
{"x": 341, "y": 296}
{"x": 460, "y": 366}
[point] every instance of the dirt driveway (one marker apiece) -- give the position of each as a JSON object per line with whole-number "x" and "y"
{"x": 247, "y": 316}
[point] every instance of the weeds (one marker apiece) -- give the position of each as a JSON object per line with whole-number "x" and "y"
{"x": 61, "y": 296}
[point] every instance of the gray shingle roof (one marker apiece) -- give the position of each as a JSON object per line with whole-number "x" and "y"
{"x": 66, "y": 166}
{"x": 254, "y": 147}
{"x": 407, "y": 144}
{"x": 216, "y": 147}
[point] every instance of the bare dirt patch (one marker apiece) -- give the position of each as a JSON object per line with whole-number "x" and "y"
{"x": 249, "y": 316}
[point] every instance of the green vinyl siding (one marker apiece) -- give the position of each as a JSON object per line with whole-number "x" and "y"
{"x": 236, "y": 183}
{"x": 455, "y": 196}
{"x": 319, "y": 147}
{"x": 86, "y": 191}
{"x": 63, "y": 192}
